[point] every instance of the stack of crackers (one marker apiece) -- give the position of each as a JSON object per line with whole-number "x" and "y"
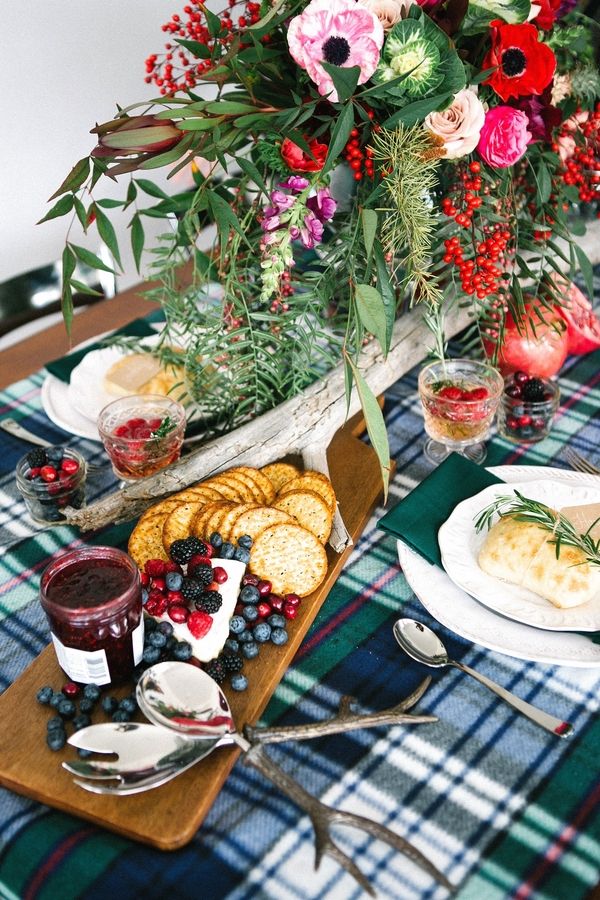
{"x": 287, "y": 513}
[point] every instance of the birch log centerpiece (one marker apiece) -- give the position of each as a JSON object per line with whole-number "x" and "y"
{"x": 304, "y": 424}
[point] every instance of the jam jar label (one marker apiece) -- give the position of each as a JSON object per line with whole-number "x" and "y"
{"x": 81, "y": 665}
{"x": 137, "y": 642}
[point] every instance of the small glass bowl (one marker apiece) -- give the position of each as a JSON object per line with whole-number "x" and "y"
{"x": 459, "y": 399}
{"x": 522, "y": 421}
{"x": 142, "y": 434}
{"x": 46, "y": 497}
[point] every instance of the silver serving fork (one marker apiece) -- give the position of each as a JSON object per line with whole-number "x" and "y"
{"x": 580, "y": 463}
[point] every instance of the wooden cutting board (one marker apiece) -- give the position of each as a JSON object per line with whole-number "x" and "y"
{"x": 169, "y": 816}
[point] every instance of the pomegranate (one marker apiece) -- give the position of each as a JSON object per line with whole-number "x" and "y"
{"x": 583, "y": 326}
{"x": 537, "y": 346}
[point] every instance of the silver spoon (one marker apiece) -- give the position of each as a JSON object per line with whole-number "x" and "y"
{"x": 424, "y": 646}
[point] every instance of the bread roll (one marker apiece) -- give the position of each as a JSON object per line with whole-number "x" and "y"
{"x": 522, "y": 553}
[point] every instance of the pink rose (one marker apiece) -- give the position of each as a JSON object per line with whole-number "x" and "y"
{"x": 459, "y": 125}
{"x": 504, "y": 136}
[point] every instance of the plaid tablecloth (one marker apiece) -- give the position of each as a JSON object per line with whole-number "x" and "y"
{"x": 500, "y": 806}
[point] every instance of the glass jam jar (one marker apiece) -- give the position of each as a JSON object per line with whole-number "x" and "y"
{"x": 92, "y": 598}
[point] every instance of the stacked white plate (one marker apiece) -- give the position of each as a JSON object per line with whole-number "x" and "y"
{"x": 490, "y": 612}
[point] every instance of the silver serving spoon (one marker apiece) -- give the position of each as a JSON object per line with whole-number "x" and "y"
{"x": 424, "y": 646}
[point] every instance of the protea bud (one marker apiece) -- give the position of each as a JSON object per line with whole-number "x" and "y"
{"x": 130, "y": 135}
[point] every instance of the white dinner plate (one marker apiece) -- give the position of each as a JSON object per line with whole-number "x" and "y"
{"x": 461, "y": 614}
{"x": 460, "y": 545}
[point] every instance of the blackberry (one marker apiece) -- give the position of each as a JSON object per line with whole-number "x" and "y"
{"x": 232, "y": 662}
{"x": 204, "y": 574}
{"x": 37, "y": 458}
{"x": 217, "y": 671}
{"x": 183, "y": 549}
{"x": 192, "y": 589}
{"x": 533, "y": 391}
{"x": 209, "y": 602}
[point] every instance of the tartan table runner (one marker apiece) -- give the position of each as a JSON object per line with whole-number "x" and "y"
{"x": 500, "y": 806}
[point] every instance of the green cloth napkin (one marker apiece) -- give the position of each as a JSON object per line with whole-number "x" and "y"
{"x": 63, "y": 367}
{"x": 417, "y": 518}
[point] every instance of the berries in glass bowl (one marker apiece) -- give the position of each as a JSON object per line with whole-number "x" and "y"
{"x": 459, "y": 399}
{"x": 142, "y": 434}
{"x": 50, "y": 479}
{"x": 527, "y": 408}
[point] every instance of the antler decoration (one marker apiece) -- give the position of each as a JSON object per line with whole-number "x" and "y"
{"x": 323, "y": 817}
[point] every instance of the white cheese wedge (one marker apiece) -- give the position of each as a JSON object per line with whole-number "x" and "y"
{"x": 129, "y": 374}
{"x": 209, "y": 646}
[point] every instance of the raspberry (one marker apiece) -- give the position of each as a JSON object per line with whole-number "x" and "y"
{"x": 199, "y": 623}
{"x": 450, "y": 393}
{"x": 209, "y": 602}
{"x": 155, "y": 567}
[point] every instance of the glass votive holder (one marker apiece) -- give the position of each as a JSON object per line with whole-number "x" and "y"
{"x": 49, "y": 479}
{"x": 142, "y": 434}
{"x": 527, "y": 408}
{"x": 92, "y": 598}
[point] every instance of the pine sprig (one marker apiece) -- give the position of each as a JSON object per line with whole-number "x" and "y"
{"x": 524, "y": 509}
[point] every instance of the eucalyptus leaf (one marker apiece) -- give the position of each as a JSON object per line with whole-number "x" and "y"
{"x": 81, "y": 211}
{"x": 69, "y": 261}
{"x": 108, "y": 234}
{"x": 375, "y": 424}
{"x": 369, "y": 304}
{"x": 137, "y": 240}
{"x": 66, "y": 304}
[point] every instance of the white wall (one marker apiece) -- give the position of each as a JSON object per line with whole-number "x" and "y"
{"x": 65, "y": 65}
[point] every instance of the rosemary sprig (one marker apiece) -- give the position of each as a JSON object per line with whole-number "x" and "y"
{"x": 167, "y": 425}
{"x": 523, "y": 509}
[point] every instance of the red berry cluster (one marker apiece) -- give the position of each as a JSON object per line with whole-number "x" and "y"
{"x": 162, "y": 601}
{"x": 270, "y": 603}
{"x": 174, "y": 70}
{"x": 583, "y": 167}
{"x": 359, "y": 158}
{"x": 466, "y": 194}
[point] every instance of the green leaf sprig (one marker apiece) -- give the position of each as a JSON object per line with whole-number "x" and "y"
{"x": 523, "y": 509}
{"x": 166, "y": 426}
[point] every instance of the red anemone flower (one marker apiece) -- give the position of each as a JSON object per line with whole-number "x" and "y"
{"x": 298, "y": 161}
{"x": 524, "y": 65}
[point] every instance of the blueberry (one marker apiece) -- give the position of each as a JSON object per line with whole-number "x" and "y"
{"x": 109, "y": 704}
{"x": 279, "y": 636}
{"x": 81, "y": 721}
{"x": 173, "y": 581}
{"x": 242, "y": 555}
{"x": 92, "y": 692}
{"x": 250, "y": 650}
{"x": 56, "y": 739}
{"x": 150, "y": 624}
{"x": 151, "y": 655}
{"x": 55, "y": 723}
{"x": 85, "y": 705}
{"x": 237, "y": 624}
{"x": 165, "y": 628}
{"x": 216, "y": 540}
{"x": 182, "y": 651}
{"x": 55, "y": 454}
{"x": 239, "y": 682}
{"x": 66, "y": 709}
{"x": 227, "y": 550}
{"x": 57, "y": 698}
{"x": 44, "y": 695}
{"x": 249, "y": 594}
{"x": 232, "y": 645}
{"x": 277, "y": 621}
{"x": 250, "y": 613}
{"x": 145, "y": 596}
{"x": 121, "y": 715}
{"x": 157, "y": 639}
{"x": 129, "y": 704}
{"x": 262, "y": 632}
{"x": 245, "y": 541}
{"x": 245, "y": 636}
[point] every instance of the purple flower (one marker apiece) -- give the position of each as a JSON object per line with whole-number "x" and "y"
{"x": 543, "y": 117}
{"x": 323, "y": 205}
{"x": 270, "y": 222}
{"x": 282, "y": 201}
{"x": 565, "y": 7}
{"x": 295, "y": 183}
{"x": 312, "y": 232}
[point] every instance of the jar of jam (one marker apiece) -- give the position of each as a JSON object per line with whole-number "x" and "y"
{"x": 92, "y": 598}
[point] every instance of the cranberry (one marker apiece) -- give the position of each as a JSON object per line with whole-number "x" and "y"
{"x": 175, "y": 598}
{"x": 512, "y": 423}
{"x": 524, "y": 421}
{"x": 289, "y": 611}
{"x": 264, "y": 587}
{"x": 239, "y": 609}
{"x": 210, "y": 551}
{"x": 145, "y": 579}
{"x": 521, "y": 377}
{"x": 250, "y": 579}
{"x": 220, "y": 574}
{"x": 70, "y": 689}
{"x": 264, "y": 609}
{"x": 132, "y": 424}
{"x": 514, "y": 391}
{"x": 199, "y": 623}
{"x": 213, "y": 586}
{"x": 178, "y": 613}
{"x": 33, "y": 473}
{"x": 158, "y": 583}
{"x": 539, "y": 424}
{"x": 292, "y": 599}
{"x": 70, "y": 466}
{"x": 48, "y": 474}
{"x": 155, "y": 567}
{"x": 152, "y": 607}
{"x": 276, "y": 602}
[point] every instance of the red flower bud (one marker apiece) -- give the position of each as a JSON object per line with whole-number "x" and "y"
{"x": 298, "y": 161}
{"x": 130, "y": 135}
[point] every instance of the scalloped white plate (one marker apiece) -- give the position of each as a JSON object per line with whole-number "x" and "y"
{"x": 460, "y": 545}
{"x": 461, "y": 614}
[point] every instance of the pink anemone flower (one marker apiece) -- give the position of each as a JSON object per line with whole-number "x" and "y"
{"x": 340, "y": 32}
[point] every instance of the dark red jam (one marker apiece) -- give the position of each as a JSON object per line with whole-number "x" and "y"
{"x": 92, "y": 598}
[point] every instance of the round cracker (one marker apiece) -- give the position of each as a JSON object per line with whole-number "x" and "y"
{"x": 199, "y": 523}
{"x": 202, "y": 490}
{"x": 261, "y": 481}
{"x": 145, "y": 541}
{"x": 279, "y": 473}
{"x": 290, "y": 557}
{"x": 312, "y": 481}
{"x": 253, "y": 521}
{"x": 231, "y": 489}
{"x": 178, "y": 523}
{"x": 213, "y": 523}
{"x": 228, "y": 520}
{"x": 246, "y": 474}
{"x": 310, "y": 510}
